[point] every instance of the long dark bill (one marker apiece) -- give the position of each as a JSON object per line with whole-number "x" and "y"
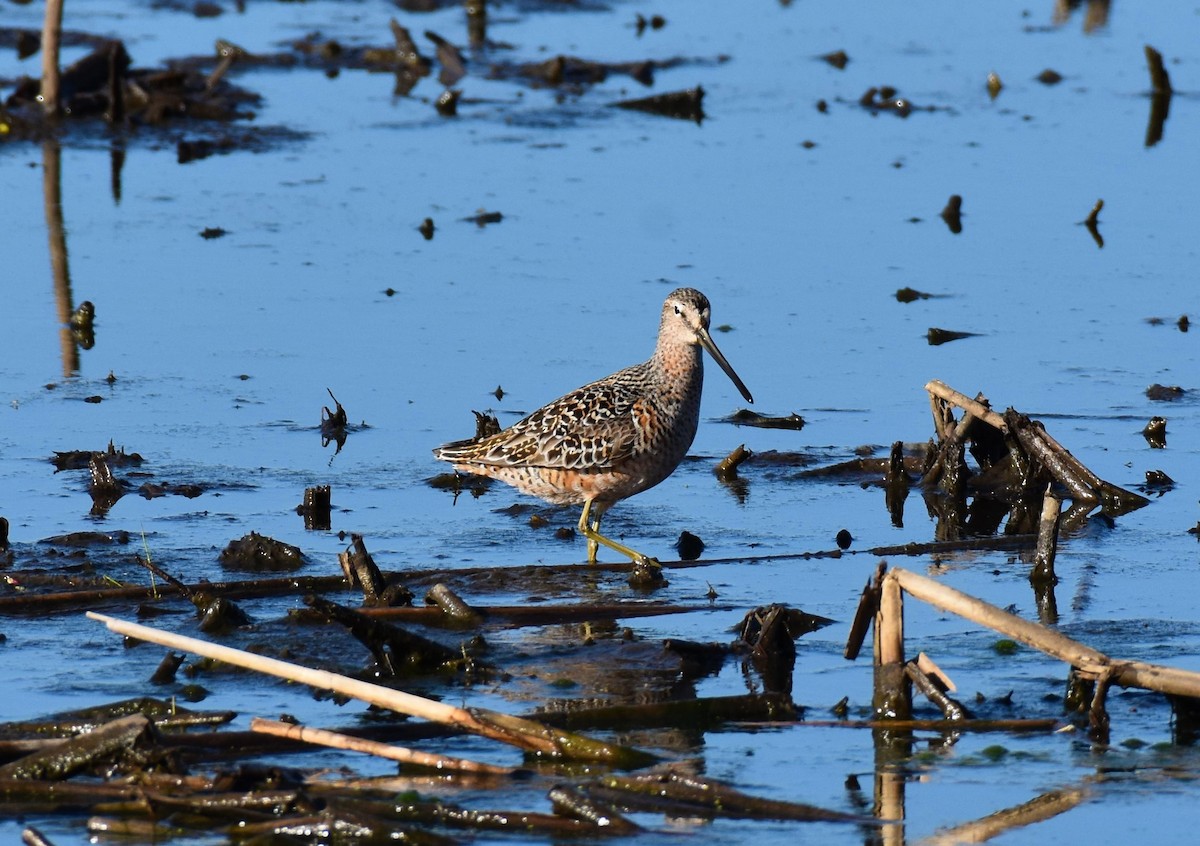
{"x": 707, "y": 342}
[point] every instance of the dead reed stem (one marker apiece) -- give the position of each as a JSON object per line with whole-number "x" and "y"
{"x": 516, "y": 731}
{"x": 336, "y": 740}
{"x": 51, "y": 35}
{"x": 1092, "y": 663}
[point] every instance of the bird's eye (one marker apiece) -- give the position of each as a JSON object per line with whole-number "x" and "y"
{"x": 677, "y": 310}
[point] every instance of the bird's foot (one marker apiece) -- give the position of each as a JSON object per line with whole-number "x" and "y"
{"x": 647, "y": 573}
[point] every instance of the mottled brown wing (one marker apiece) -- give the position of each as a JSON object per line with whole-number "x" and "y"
{"x": 595, "y": 427}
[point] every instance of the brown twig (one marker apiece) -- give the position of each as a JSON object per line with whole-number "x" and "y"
{"x": 943, "y": 391}
{"x": 336, "y": 740}
{"x": 1047, "y": 543}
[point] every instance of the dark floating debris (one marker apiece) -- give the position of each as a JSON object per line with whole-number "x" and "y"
{"x": 1158, "y": 482}
{"x": 843, "y": 539}
{"x": 316, "y": 508}
{"x": 689, "y": 546}
{"x": 911, "y": 295}
{"x": 653, "y": 22}
{"x": 746, "y": 417}
{"x": 83, "y": 325}
{"x": 1182, "y": 324}
{"x": 1093, "y": 223}
{"x": 1160, "y": 96}
{"x": 837, "y": 59}
{"x": 952, "y": 214}
{"x": 255, "y": 553}
{"x": 447, "y": 102}
{"x": 1164, "y": 393}
{"x": 153, "y": 490}
{"x": 1049, "y": 77}
{"x": 333, "y": 425}
{"x": 208, "y": 233}
{"x": 1160, "y": 80}
{"x": 78, "y": 459}
{"x": 28, "y": 43}
{"x": 1155, "y": 432}
{"x": 576, "y": 73}
{"x": 103, "y": 84}
{"x": 994, "y": 85}
{"x": 427, "y": 229}
{"x": 566, "y": 70}
{"x": 87, "y": 539}
{"x": 885, "y": 99}
{"x": 937, "y": 337}
{"x": 686, "y": 105}
{"x": 482, "y": 218}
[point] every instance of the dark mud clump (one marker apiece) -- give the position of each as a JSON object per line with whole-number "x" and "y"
{"x": 255, "y": 553}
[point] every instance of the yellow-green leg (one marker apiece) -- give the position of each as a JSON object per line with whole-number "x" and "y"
{"x": 591, "y": 531}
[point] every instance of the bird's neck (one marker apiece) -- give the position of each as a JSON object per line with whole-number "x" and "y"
{"x": 682, "y": 366}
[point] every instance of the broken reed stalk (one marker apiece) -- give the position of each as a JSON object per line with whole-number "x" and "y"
{"x": 1047, "y": 543}
{"x": 727, "y": 469}
{"x": 336, "y": 740}
{"x": 452, "y": 606}
{"x": 516, "y": 731}
{"x": 1090, "y": 662}
{"x": 891, "y": 618}
{"x": 1084, "y": 485}
{"x": 1038, "y": 809}
{"x": 868, "y": 607}
{"x": 942, "y": 391}
{"x": 893, "y": 693}
{"x": 51, "y": 36}
{"x": 950, "y": 707}
{"x": 30, "y": 836}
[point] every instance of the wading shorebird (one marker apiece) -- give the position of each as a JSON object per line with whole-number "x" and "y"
{"x": 613, "y": 438}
